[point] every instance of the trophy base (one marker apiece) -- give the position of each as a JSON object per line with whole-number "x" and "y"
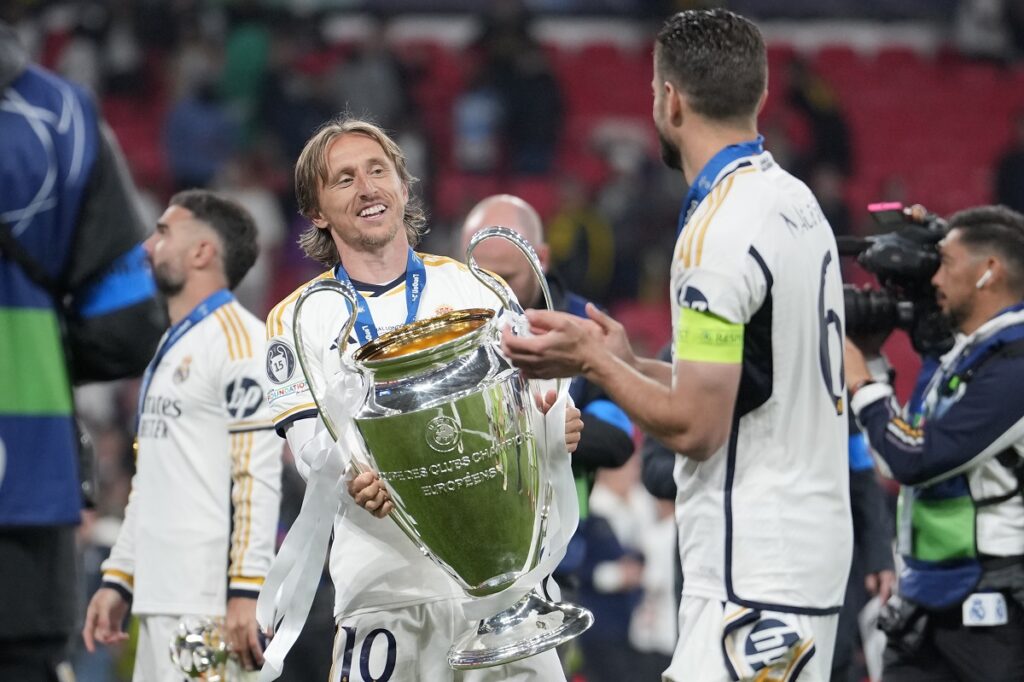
{"x": 528, "y": 627}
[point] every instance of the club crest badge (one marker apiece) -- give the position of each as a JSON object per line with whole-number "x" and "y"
{"x": 181, "y": 373}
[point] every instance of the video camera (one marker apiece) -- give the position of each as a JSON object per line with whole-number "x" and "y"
{"x": 904, "y": 259}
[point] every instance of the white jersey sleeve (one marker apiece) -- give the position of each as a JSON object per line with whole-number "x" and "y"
{"x": 119, "y": 568}
{"x": 288, "y": 395}
{"x": 255, "y": 452}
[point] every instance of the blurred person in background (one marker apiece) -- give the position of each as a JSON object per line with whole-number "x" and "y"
{"x": 72, "y": 277}
{"x": 1009, "y": 176}
{"x": 244, "y": 179}
{"x": 622, "y": 513}
{"x": 762, "y": 470}
{"x": 608, "y": 438}
{"x": 199, "y": 529}
{"x": 957, "y": 449}
{"x": 397, "y": 612}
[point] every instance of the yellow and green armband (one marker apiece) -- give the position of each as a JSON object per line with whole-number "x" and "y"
{"x": 705, "y": 337}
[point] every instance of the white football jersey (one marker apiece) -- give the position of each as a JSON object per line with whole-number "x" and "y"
{"x": 765, "y": 522}
{"x": 373, "y": 564}
{"x": 201, "y": 520}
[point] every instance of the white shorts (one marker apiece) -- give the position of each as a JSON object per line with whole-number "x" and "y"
{"x": 411, "y": 645}
{"x": 723, "y": 642}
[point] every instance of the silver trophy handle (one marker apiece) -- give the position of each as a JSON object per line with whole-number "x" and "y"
{"x": 489, "y": 280}
{"x": 344, "y": 289}
{"x": 346, "y": 292}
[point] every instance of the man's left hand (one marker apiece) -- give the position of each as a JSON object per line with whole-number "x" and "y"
{"x": 369, "y": 493}
{"x": 880, "y": 584}
{"x": 573, "y": 427}
{"x": 243, "y": 631}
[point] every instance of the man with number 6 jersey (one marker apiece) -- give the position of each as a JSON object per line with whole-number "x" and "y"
{"x": 199, "y": 529}
{"x": 753, "y": 400}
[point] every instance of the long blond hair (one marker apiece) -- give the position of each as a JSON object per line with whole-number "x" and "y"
{"x": 311, "y": 175}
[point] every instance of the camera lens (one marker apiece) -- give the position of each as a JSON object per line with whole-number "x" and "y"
{"x": 869, "y": 311}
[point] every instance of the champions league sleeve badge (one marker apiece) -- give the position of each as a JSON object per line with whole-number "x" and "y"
{"x": 280, "y": 362}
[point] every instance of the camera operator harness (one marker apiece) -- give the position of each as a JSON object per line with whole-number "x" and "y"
{"x": 948, "y": 554}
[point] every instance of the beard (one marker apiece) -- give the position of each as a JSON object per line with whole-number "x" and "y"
{"x": 669, "y": 153}
{"x": 377, "y": 240}
{"x": 166, "y": 282}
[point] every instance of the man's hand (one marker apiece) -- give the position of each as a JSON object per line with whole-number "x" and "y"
{"x": 243, "y": 632}
{"x": 855, "y": 365}
{"x": 103, "y": 619}
{"x": 369, "y": 493}
{"x": 563, "y": 345}
{"x": 880, "y": 584}
{"x": 573, "y": 427}
{"x": 616, "y": 340}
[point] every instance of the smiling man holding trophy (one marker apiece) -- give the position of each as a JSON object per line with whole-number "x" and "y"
{"x": 407, "y": 402}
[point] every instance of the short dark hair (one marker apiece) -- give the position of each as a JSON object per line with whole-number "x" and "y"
{"x": 232, "y": 223}
{"x": 717, "y": 58}
{"x": 998, "y": 230}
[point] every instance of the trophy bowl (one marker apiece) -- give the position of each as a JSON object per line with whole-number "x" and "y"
{"x": 448, "y": 424}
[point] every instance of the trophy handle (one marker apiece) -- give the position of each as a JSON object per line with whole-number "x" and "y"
{"x": 489, "y": 280}
{"x": 492, "y": 283}
{"x": 346, "y": 292}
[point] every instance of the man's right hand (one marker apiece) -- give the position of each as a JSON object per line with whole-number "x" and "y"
{"x": 103, "y": 619}
{"x": 369, "y": 493}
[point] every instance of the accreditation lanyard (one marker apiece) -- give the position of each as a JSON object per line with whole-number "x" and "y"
{"x": 173, "y": 335}
{"x": 705, "y": 180}
{"x": 415, "y": 280}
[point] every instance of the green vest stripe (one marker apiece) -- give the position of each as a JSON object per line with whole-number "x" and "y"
{"x": 35, "y": 378}
{"x": 944, "y": 529}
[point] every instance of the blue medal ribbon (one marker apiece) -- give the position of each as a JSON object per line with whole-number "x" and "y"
{"x": 174, "y": 334}
{"x": 415, "y": 280}
{"x": 705, "y": 180}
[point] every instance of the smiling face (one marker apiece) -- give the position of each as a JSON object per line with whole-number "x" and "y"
{"x": 363, "y": 201}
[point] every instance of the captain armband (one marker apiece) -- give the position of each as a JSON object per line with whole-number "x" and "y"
{"x": 705, "y": 337}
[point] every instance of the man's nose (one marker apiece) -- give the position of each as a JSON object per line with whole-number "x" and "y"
{"x": 365, "y": 185}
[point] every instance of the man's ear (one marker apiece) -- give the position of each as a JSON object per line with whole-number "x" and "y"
{"x": 544, "y": 256}
{"x": 319, "y": 222}
{"x": 677, "y": 105}
{"x": 206, "y": 251}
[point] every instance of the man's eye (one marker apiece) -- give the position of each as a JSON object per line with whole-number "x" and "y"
{"x": 379, "y": 170}
{"x": 345, "y": 181}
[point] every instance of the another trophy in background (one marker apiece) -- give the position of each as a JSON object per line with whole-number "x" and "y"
{"x": 454, "y": 432}
{"x": 200, "y": 650}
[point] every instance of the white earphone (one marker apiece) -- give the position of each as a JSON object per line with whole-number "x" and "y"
{"x": 983, "y": 280}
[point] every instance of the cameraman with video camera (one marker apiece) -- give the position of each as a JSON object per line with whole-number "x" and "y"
{"x": 957, "y": 449}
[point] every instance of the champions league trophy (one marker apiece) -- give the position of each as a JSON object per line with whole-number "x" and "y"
{"x": 448, "y": 423}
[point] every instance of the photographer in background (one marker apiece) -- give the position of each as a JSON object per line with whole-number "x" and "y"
{"x": 957, "y": 448}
